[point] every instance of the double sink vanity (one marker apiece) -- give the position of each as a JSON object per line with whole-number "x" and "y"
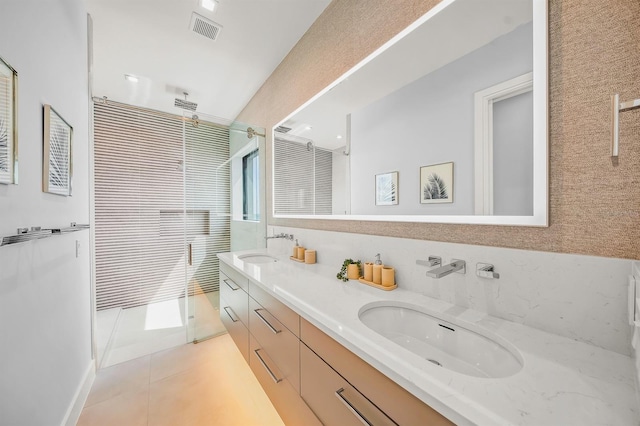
{"x": 344, "y": 353}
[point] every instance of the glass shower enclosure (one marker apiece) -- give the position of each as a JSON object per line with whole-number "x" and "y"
{"x": 160, "y": 198}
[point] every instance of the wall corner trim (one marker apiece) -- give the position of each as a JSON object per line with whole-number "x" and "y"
{"x": 77, "y": 404}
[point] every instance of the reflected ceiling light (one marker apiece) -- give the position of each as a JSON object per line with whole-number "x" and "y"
{"x": 210, "y": 5}
{"x": 308, "y": 128}
{"x": 131, "y": 78}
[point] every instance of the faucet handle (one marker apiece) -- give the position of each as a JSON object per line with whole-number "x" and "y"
{"x": 486, "y": 270}
{"x": 433, "y": 261}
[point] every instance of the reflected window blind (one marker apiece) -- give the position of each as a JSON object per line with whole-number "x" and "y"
{"x": 145, "y": 214}
{"x": 302, "y": 179}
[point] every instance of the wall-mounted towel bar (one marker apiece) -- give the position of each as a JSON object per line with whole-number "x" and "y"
{"x": 36, "y": 232}
{"x": 616, "y": 108}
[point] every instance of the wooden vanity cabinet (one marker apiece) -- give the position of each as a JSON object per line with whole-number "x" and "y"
{"x": 280, "y": 343}
{"x": 310, "y": 378}
{"x": 332, "y": 398}
{"x": 291, "y": 408}
{"x": 369, "y": 392}
{"x": 234, "y": 307}
{"x": 275, "y": 355}
{"x": 282, "y": 312}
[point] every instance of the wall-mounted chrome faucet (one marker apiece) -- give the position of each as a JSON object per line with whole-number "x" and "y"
{"x": 456, "y": 265}
{"x": 432, "y": 261}
{"x": 281, "y": 235}
{"x": 486, "y": 270}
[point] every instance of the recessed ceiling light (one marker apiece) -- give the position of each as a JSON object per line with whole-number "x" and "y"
{"x": 210, "y": 5}
{"x": 339, "y": 137}
{"x": 308, "y": 128}
{"x": 131, "y": 78}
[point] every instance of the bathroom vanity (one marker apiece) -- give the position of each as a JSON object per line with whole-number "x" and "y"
{"x": 306, "y": 337}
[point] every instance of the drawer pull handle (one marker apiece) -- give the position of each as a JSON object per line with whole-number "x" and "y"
{"x": 266, "y": 367}
{"x": 230, "y": 286}
{"x": 351, "y": 407}
{"x": 227, "y": 309}
{"x": 267, "y": 323}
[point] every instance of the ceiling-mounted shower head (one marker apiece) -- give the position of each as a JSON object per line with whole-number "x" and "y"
{"x": 185, "y": 104}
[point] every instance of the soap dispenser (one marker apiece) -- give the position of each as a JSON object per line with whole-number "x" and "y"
{"x": 295, "y": 250}
{"x": 377, "y": 270}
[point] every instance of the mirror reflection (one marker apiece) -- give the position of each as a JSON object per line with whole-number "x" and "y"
{"x": 445, "y": 122}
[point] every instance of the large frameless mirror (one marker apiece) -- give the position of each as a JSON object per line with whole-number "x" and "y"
{"x": 446, "y": 123}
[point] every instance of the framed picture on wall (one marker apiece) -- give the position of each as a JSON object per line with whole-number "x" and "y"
{"x": 436, "y": 183}
{"x": 57, "y": 169}
{"x": 8, "y": 124}
{"x": 387, "y": 189}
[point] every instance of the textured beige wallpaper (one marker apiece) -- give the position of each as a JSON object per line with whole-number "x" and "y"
{"x": 594, "y": 51}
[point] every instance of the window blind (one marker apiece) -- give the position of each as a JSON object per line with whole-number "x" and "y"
{"x": 154, "y": 196}
{"x": 302, "y": 178}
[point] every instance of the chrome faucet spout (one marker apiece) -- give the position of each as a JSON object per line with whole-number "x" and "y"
{"x": 456, "y": 265}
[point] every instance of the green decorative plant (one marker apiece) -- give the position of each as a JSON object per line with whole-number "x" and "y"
{"x": 342, "y": 275}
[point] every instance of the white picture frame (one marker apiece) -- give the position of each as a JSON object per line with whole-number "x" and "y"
{"x": 436, "y": 183}
{"x": 57, "y": 167}
{"x": 8, "y": 124}
{"x": 387, "y": 189}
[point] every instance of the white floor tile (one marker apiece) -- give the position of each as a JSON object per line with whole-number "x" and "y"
{"x": 144, "y": 330}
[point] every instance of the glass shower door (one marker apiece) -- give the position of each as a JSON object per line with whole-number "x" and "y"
{"x": 207, "y": 232}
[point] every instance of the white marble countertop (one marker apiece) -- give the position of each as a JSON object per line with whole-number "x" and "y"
{"x": 563, "y": 382}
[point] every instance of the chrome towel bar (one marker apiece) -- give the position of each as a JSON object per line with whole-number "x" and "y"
{"x": 36, "y": 233}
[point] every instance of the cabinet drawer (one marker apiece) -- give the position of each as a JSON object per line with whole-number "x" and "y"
{"x": 237, "y": 330}
{"x": 285, "y": 315}
{"x": 281, "y": 345}
{"x": 403, "y": 407}
{"x": 284, "y": 397}
{"x": 236, "y": 276}
{"x": 235, "y": 296}
{"x": 332, "y": 398}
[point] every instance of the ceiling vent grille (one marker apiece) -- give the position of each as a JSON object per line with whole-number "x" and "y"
{"x": 283, "y": 129}
{"x": 204, "y": 26}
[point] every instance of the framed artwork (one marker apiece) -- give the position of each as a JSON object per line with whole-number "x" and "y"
{"x": 436, "y": 183}
{"x": 387, "y": 189}
{"x": 8, "y": 124}
{"x": 57, "y": 169}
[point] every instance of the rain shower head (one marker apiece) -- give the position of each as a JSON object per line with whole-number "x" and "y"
{"x": 185, "y": 104}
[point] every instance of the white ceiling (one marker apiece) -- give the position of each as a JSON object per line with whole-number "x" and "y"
{"x": 152, "y": 40}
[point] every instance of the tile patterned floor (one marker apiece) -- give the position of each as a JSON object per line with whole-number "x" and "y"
{"x": 208, "y": 383}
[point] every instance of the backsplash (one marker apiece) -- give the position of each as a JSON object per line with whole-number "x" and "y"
{"x": 576, "y": 296}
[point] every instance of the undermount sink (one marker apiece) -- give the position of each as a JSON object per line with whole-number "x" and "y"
{"x": 446, "y": 344}
{"x": 257, "y": 258}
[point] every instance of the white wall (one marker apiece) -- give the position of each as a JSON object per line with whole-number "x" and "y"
{"x": 430, "y": 121}
{"x": 45, "y": 306}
